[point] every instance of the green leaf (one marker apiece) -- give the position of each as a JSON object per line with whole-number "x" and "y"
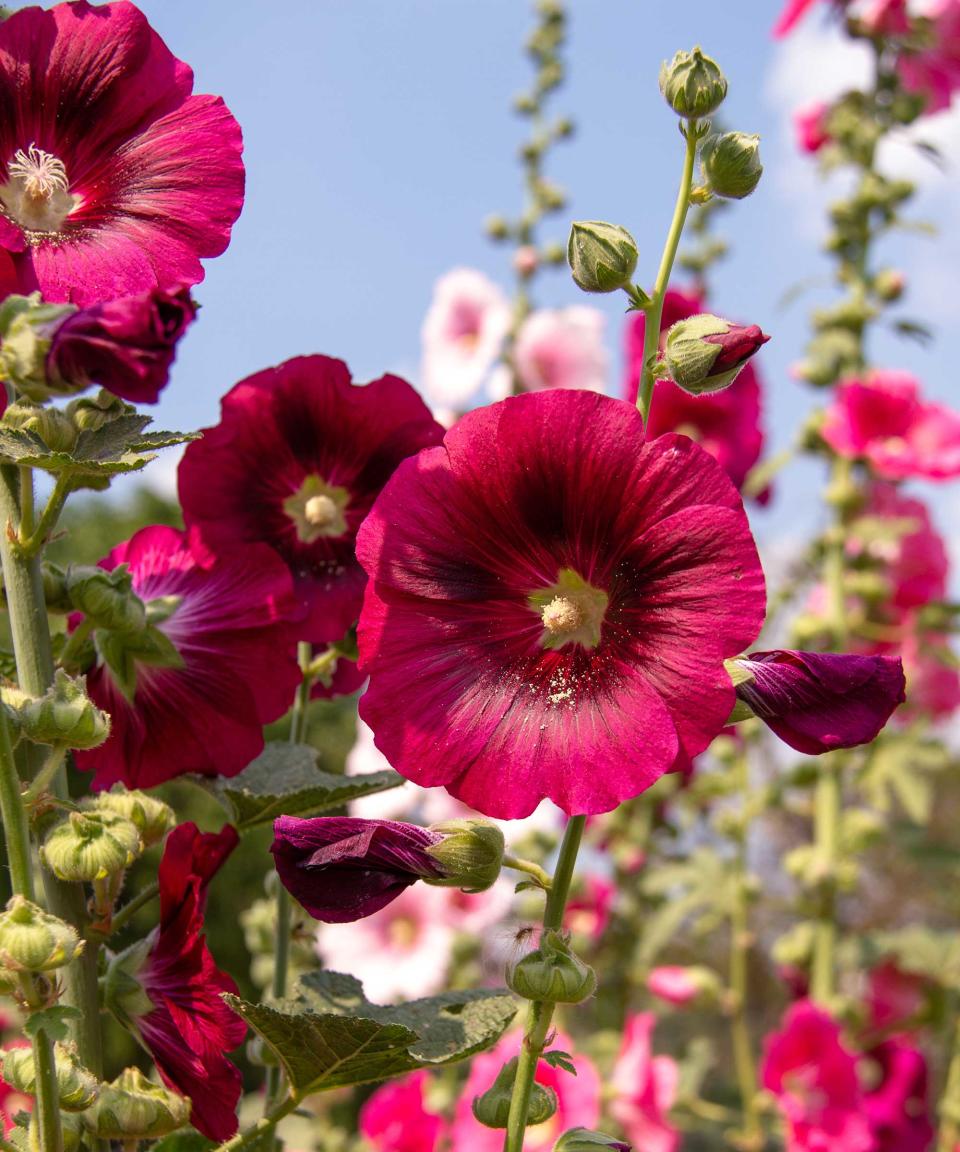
{"x": 897, "y": 772}
{"x": 560, "y": 1059}
{"x": 53, "y": 1021}
{"x": 284, "y": 780}
{"x": 330, "y": 1035}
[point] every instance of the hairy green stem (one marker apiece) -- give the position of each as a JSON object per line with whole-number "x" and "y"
{"x": 33, "y": 538}
{"x": 518, "y": 864}
{"x": 541, "y": 1011}
{"x": 132, "y": 906}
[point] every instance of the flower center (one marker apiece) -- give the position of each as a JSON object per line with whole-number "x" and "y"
{"x": 571, "y": 611}
{"x": 318, "y": 509}
{"x": 562, "y": 616}
{"x": 37, "y": 192}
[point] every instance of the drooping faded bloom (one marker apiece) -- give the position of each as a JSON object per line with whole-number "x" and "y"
{"x": 561, "y": 348}
{"x": 819, "y": 701}
{"x": 114, "y": 179}
{"x": 644, "y": 1089}
{"x": 550, "y": 606}
{"x": 395, "y": 1118}
{"x": 202, "y": 708}
{"x": 296, "y": 461}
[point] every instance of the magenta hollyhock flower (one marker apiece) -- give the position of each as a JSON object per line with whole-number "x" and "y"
{"x": 550, "y": 605}
{"x": 673, "y": 984}
{"x": 814, "y": 1078}
{"x": 933, "y": 680}
{"x": 794, "y": 11}
{"x": 727, "y": 424}
{"x": 914, "y": 561}
{"x": 810, "y": 126}
{"x": 341, "y": 868}
{"x": 934, "y": 72}
{"x": 887, "y": 18}
{"x": 644, "y": 1089}
{"x": 820, "y": 701}
{"x": 895, "y": 998}
{"x": 297, "y": 459}
{"x": 396, "y": 1118}
{"x": 190, "y": 1028}
{"x": 126, "y": 345}
{"x": 229, "y": 617}
{"x": 882, "y": 419}
{"x": 897, "y": 1107}
{"x": 114, "y": 179}
{"x": 588, "y": 910}
{"x": 561, "y": 348}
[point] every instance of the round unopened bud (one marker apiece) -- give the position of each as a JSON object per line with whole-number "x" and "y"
{"x": 552, "y": 972}
{"x": 32, "y": 940}
{"x": 134, "y": 1108}
{"x": 888, "y": 284}
{"x": 692, "y": 84}
{"x": 77, "y": 1088}
{"x": 90, "y": 846}
{"x": 470, "y": 854}
{"x": 27, "y": 326}
{"x": 731, "y": 164}
{"x": 602, "y": 257}
{"x": 585, "y": 1140}
{"x": 64, "y": 715}
{"x": 497, "y": 227}
{"x": 152, "y": 817}
{"x": 492, "y": 1108}
{"x": 54, "y": 427}
{"x": 107, "y": 598}
{"x": 706, "y": 353}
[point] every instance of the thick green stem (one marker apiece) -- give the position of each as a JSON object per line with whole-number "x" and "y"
{"x": 541, "y": 1012}
{"x": 654, "y": 313}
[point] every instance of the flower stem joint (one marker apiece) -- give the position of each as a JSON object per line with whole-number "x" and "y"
{"x": 470, "y": 854}
{"x": 492, "y": 1108}
{"x": 706, "y": 353}
{"x": 552, "y": 973}
{"x": 602, "y": 257}
{"x": 693, "y": 84}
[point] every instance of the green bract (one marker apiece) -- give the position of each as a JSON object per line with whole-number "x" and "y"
{"x": 692, "y": 84}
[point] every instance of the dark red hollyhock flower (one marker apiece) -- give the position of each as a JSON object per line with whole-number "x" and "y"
{"x": 231, "y": 624}
{"x": 551, "y": 604}
{"x": 341, "y": 868}
{"x": 896, "y": 1105}
{"x": 727, "y": 424}
{"x": 190, "y": 1028}
{"x": 125, "y": 345}
{"x": 113, "y": 177}
{"x": 818, "y": 701}
{"x": 296, "y": 462}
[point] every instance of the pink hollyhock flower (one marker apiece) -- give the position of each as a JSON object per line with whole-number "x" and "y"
{"x": 550, "y": 605}
{"x": 578, "y": 1098}
{"x": 814, "y": 1077}
{"x": 933, "y": 681}
{"x": 882, "y": 419}
{"x": 396, "y": 1118}
{"x": 794, "y": 11}
{"x": 228, "y": 617}
{"x": 896, "y": 1107}
{"x": 887, "y": 18}
{"x": 463, "y": 334}
{"x": 895, "y": 998}
{"x": 342, "y": 869}
{"x": 644, "y": 1089}
{"x": 675, "y": 985}
{"x": 561, "y": 348}
{"x": 915, "y": 561}
{"x": 588, "y": 910}
{"x": 113, "y": 178}
{"x": 810, "y": 126}
{"x": 296, "y": 461}
{"x": 190, "y": 1028}
{"x": 818, "y": 701}
{"x": 935, "y": 71}
{"x": 726, "y": 424}
{"x": 346, "y": 679}
{"x": 125, "y": 345}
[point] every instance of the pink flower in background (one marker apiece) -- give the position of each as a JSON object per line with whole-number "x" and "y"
{"x": 933, "y": 680}
{"x": 794, "y": 11}
{"x": 549, "y": 595}
{"x": 561, "y": 348}
{"x": 462, "y": 337}
{"x": 896, "y": 1106}
{"x": 814, "y": 1078}
{"x": 810, "y": 126}
{"x": 396, "y": 1119}
{"x": 331, "y": 446}
{"x": 882, "y": 419}
{"x": 674, "y": 985}
{"x": 231, "y": 624}
{"x": 895, "y": 997}
{"x": 887, "y": 17}
{"x": 915, "y": 559}
{"x": 588, "y": 910}
{"x": 578, "y": 1098}
{"x": 644, "y": 1089}
{"x": 934, "y": 72}
{"x": 114, "y": 179}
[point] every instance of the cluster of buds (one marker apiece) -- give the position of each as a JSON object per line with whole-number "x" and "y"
{"x": 59, "y": 429}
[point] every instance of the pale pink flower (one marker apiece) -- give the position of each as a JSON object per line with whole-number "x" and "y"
{"x": 673, "y": 984}
{"x": 561, "y": 348}
{"x": 644, "y": 1089}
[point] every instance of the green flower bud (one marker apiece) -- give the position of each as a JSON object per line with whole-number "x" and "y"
{"x": 602, "y": 257}
{"x": 552, "y": 972}
{"x": 731, "y": 164}
{"x": 107, "y": 598}
{"x": 54, "y": 427}
{"x": 152, "y": 817}
{"x": 492, "y": 1108}
{"x": 90, "y": 846}
{"x": 583, "y": 1140}
{"x": 26, "y": 328}
{"x": 888, "y": 284}
{"x": 497, "y": 228}
{"x": 77, "y": 1088}
{"x": 706, "y": 353}
{"x": 134, "y": 1108}
{"x": 692, "y": 84}
{"x": 90, "y": 413}
{"x": 32, "y": 940}
{"x": 470, "y": 854}
{"x": 64, "y": 715}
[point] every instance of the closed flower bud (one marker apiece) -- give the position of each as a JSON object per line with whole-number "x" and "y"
{"x": 584, "y": 1140}
{"x": 602, "y": 257}
{"x": 553, "y": 973}
{"x": 32, "y": 940}
{"x": 692, "y": 84}
{"x": 90, "y": 846}
{"x": 470, "y": 854}
{"x": 107, "y": 598}
{"x": 54, "y": 427}
{"x": 90, "y": 413}
{"x": 26, "y": 328}
{"x": 64, "y": 715}
{"x": 492, "y": 1108}
{"x": 152, "y": 817}
{"x": 77, "y": 1088}
{"x": 134, "y": 1108}
{"x": 731, "y": 164}
{"x": 497, "y": 228}
{"x": 705, "y": 353}
{"x": 888, "y": 284}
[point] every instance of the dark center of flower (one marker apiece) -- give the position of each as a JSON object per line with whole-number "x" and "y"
{"x": 37, "y": 192}
{"x": 318, "y": 509}
{"x": 571, "y": 611}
